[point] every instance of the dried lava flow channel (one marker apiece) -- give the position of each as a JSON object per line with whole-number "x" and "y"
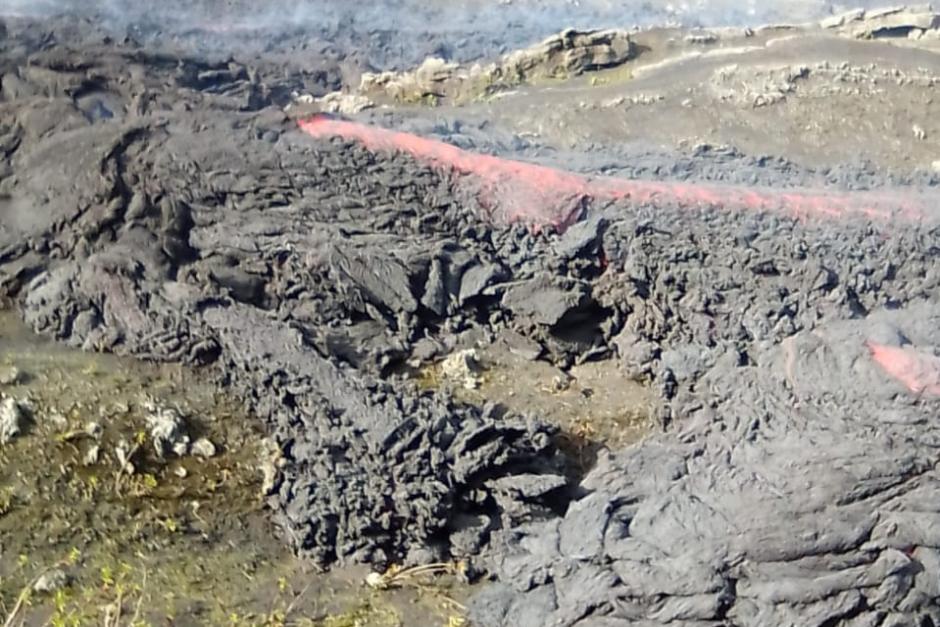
{"x": 540, "y": 195}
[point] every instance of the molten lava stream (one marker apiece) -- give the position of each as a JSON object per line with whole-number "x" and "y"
{"x": 540, "y": 195}
{"x": 919, "y": 372}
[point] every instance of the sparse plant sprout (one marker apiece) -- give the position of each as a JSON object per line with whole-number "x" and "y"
{"x": 61, "y": 597}
{"x": 74, "y": 556}
{"x": 88, "y": 488}
{"x": 419, "y": 577}
{"x": 170, "y": 525}
{"x": 107, "y": 576}
{"x": 7, "y": 498}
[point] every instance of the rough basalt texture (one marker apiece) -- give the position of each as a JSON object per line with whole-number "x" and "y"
{"x": 792, "y": 489}
{"x": 299, "y": 290}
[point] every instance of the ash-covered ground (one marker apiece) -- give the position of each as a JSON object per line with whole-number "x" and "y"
{"x": 745, "y": 221}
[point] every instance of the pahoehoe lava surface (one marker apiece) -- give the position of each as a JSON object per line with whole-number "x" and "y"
{"x": 160, "y": 208}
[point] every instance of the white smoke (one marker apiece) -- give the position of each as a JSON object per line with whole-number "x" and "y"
{"x": 491, "y": 23}
{"x": 395, "y": 13}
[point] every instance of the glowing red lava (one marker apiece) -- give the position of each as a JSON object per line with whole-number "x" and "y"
{"x": 539, "y": 195}
{"x": 919, "y": 372}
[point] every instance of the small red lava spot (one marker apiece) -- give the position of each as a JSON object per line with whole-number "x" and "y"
{"x": 539, "y": 195}
{"x": 918, "y": 372}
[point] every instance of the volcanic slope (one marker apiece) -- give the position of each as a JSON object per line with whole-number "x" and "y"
{"x": 795, "y": 358}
